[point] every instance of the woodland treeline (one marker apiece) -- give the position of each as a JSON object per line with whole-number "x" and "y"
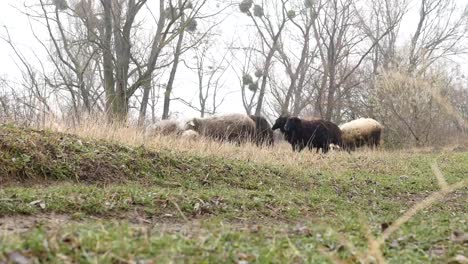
{"x": 397, "y": 61}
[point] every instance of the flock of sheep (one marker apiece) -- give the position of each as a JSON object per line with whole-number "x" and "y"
{"x": 300, "y": 133}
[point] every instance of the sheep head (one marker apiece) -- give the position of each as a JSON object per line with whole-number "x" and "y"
{"x": 280, "y": 123}
{"x": 193, "y": 124}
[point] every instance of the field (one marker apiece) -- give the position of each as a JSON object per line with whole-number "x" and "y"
{"x": 107, "y": 195}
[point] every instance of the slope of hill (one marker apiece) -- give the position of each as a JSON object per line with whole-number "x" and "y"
{"x": 68, "y": 199}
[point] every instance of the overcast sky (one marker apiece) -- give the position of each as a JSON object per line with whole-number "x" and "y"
{"x": 20, "y": 31}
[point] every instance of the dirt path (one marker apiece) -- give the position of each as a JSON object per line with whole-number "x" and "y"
{"x": 20, "y": 224}
{"x": 24, "y": 223}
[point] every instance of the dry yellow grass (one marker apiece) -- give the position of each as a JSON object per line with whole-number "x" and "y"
{"x": 381, "y": 160}
{"x": 281, "y": 153}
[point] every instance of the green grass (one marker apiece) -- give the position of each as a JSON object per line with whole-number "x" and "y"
{"x": 119, "y": 203}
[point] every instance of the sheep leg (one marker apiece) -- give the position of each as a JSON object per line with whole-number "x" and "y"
{"x": 325, "y": 149}
{"x": 300, "y": 147}
{"x": 293, "y": 147}
{"x": 375, "y": 139}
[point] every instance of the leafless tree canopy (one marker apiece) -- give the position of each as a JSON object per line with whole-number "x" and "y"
{"x": 397, "y": 61}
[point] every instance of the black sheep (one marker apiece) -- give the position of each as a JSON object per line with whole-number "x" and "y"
{"x": 279, "y": 124}
{"x": 334, "y": 132}
{"x": 263, "y": 132}
{"x": 317, "y": 134}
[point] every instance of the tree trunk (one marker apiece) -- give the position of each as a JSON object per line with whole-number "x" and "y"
{"x": 297, "y": 107}
{"x": 295, "y": 75}
{"x": 170, "y": 83}
{"x": 331, "y": 97}
{"x": 266, "y": 69}
{"x": 108, "y": 60}
{"x": 84, "y": 95}
{"x": 331, "y": 80}
{"x": 122, "y": 53}
{"x": 318, "y": 108}
{"x": 144, "y": 104}
{"x": 202, "y": 110}
{"x": 120, "y": 105}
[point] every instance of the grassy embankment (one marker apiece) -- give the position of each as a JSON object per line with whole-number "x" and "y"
{"x": 110, "y": 196}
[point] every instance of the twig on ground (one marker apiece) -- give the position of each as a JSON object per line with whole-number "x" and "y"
{"x": 180, "y": 211}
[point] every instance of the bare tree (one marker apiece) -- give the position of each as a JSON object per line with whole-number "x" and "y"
{"x": 341, "y": 51}
{"x": 376, "y": 17}
{"x": 33, "y": 94}
{"x": 269, "y": 35}
{"x": 243, "y": 66}
{"x": 440, "y": 33}
{"x": 102, "y": 38}
{"x": 210, "y": 70}
{"x": 72, "y": 55}
{"x": 298, "y": 74}
{"x": 170, "y": 82}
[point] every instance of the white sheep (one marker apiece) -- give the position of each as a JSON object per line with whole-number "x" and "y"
{"x": 360, "y": 132}
{"x": 165, "y": 127}
{"x": 190, "y": 135}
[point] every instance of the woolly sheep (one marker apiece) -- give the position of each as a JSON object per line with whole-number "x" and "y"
{"x": 263, "y": 132}
{"x": 360, "y": 132}
{"x": 317, "y": 134}
{"x": 237, "y": 128}
{"x": 164, "y": 127}
{"x": 190, "y": 135}
{"x": 280, "y": 124}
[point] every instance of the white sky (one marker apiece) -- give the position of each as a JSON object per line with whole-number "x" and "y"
{"x": 20, "y": 31}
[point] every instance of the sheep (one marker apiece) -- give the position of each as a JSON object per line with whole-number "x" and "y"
{"x": 189, "y": 135}
{"x": 360, "y": 132}
{"x": 263, "y": 131}
{"x": 279, "y": 124}
{"x": 312, "y": 133}
{"x": 334, "y": 132}
{"x": 237, "y": 128}
{"x": 164, "y": 127}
